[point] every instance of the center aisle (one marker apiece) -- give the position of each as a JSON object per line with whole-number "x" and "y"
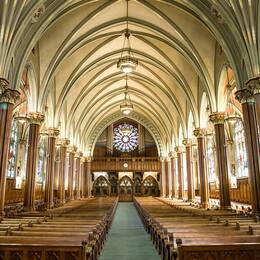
{"x": 127, "y": 239}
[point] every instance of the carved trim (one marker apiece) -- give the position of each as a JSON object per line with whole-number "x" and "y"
{"x": 72, "y": 149}
{"x": 63, "y": 141}
{"x": 217, "y": 118}
{"x": 53, "y": 132}
{"x": 4, "y": 84}
{"x": 36, "y": 118}
{"x": 245, "y": 96}
{"x": 199, "y": 132}
{"x": 254, "y": 85}
{"x": 8, "y": 95}
{"x": 187, "y": 142}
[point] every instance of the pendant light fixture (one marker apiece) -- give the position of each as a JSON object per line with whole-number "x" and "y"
{"x": 126, "y": 107}
{"x": 127, "y": 62}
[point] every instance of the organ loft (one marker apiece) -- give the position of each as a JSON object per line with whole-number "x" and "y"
{"x": 129, "y": 129}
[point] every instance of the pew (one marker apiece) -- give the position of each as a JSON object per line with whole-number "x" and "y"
{"x": 74, "y": 231}
{"x": 180, "y": 232}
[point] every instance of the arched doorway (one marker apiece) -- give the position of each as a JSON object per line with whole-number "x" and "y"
{"x": 150, "y": 187}
{"x": 125, "y": 189}
{"x": 101, "y": 187}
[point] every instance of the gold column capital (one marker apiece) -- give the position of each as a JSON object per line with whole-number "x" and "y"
{"x": 217, "y": 118}
{"x": 245, "y": 95}
{"x": 187, "y": 142}
{"x": 253, "y": 84}
{"x": 199, "y": 132}
{"x": 63, "y": 141}
{"x": 72, "y": 149}
{"x": 78, "y": 154}
{"x": 88, "y": 159}
{"x": 179, "y": 149}
{"x": 36, "y": 118}
{"x": 172, "y": 154}
{"x": 53, "y": 132}
{"x": 7, "y": 94}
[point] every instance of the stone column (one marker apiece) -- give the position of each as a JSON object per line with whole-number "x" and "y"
{"x": 49, "y": 181}
{"x": 246, "y": 98}
{"x": 8, "y": 98}
{"x": 173, "y": 172}
{"x": 254, "y": 86}
{"x": 204, "y": 186}
{"x": 71, "y": 150}
{"x": 77, "y": 175}
{"x": 61, "y": 183}
{"x": 35, "y": 121}
{"x": 190, "y": 184}
{"x": 169, "y": 171}
{"x": 82, "y": 177}
{"x": 163, "y": 178}
{"x": 88, "y": 177}
{"x": 218, "y": 120}
{"x": 180, "y": 171}
{"x": 166, "y": 178}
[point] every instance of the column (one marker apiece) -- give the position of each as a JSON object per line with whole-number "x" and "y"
{"x": 49, "y": 181}
{"x": 254, "y": 86}
{"x": 141, "y": 146}
{"x": 61, "y": 183}
{"x": 8, "y": 98}
{"x": 180, "y": 171}
{"x": 35, "y": 121}
{"x": 169, "y": 171}
{"x": 82, "y": 177}
{"x": 77, "y": 175}
{"x": 71, "y": 150}
{"x": 218, "y": 120}
{"x": 204, "y": 187}
{"x": 246, "y": 98}
{"x": 89, "y": 177}
{"x": 187, "y": 143}
{"x": 163, "y": 179}
{"x": 166, "y": 178}
{"x": 173, "y": 172}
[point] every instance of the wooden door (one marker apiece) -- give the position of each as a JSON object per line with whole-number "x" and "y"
{"x": 125, "y": 189}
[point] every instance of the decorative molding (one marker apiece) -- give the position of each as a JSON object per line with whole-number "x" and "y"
{"x": 63, "y": 142}
{"x": 245, "y": 96}
{"x": 53, "y": 132}
{"x": 216, "y": 13}
{"x": 217, "y": 118}
{"x": 36, "y": 118}
{"x": 38, "y": 13}
{"x": 254, "y": 85}
{"x": 187, "y": 142}
{"x": 8, "y": 95}
{"x": 199, "y": 132}
{"x": 72, "y": 149}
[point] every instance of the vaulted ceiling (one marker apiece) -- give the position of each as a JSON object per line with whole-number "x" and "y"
{"x": 78, "y": 43}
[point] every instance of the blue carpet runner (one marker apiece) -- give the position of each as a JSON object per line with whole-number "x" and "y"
{"x": 127, "y": 238}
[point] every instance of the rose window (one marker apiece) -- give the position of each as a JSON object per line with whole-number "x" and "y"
{"x": 125, "y": 137}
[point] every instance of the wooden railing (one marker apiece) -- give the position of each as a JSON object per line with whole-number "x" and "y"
{"x": 240, "y": 194}
{"x": 126, "y": 164}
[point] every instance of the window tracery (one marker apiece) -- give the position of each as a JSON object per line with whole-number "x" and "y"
{"x": 13, "y": 148}
{"x": 240, "y": 147}
{"x": 41, "y": 161}
{"x": 125, "y": 138}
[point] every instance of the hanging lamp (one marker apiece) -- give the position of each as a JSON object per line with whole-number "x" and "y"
{"x": 127, "y": 62}
{"x": 126, "y": 107}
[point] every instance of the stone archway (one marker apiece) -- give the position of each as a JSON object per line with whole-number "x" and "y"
{"x": 150, "y": 187}
{"x": 125, "y": 188}
{"x": 101, "y": 187}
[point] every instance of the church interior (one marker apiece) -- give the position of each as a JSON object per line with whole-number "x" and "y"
{"x": 129, "y": 129}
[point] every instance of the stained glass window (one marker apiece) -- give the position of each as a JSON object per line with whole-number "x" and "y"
{"x": 12, "y": 156}
{"x": 125, "y": 137}
{"x": 240, "y": 147}
{"x": 211, "y": 159}
{"x": 41, "y": 160}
